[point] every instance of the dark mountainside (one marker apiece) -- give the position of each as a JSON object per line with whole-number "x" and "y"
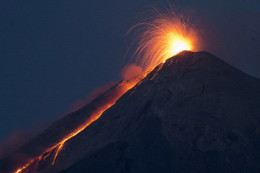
{"x": 194, "y": 113}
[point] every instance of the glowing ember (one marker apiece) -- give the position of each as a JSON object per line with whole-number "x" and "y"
{"x": 165, "y": 36}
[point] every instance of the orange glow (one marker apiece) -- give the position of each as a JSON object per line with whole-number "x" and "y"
{"x": 164, "y": 36}
{"x": 21, "y": 169}
{"x": 179, "y": 45}
{"x": 121, "y": 89}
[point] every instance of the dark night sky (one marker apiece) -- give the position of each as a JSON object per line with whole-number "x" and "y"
{"x": 53, "y": 53}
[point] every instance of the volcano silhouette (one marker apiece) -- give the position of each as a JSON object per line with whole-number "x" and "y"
{"x": 193, "y": 114}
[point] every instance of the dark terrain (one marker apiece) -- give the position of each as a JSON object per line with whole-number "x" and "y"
{"x": 193, "y": 114}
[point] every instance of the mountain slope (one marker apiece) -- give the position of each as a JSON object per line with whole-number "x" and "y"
{"x": 194, "y": 113}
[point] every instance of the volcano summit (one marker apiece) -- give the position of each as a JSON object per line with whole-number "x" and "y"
{"x": 195, "y": 113}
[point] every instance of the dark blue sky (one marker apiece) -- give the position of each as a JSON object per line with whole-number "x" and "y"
{"x": 53, "y": 53}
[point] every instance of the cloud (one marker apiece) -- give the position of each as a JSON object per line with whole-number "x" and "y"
{"x": 131, "y": 71}
{"x": 13, "y": 142}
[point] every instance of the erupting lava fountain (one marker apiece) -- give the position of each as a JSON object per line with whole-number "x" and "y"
{"x": 164, "y": 36}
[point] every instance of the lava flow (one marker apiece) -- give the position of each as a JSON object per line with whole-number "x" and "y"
{"x": 118, "y": 91}
{"x": 160, "y": 39}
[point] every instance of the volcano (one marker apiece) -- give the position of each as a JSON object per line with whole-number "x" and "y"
{"x": 194, "y": 113}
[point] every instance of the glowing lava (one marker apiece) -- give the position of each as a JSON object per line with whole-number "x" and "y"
{"x": 112, "y": 97}
{"x": 164, "y": 36}
{"x": 179, "y": 45}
